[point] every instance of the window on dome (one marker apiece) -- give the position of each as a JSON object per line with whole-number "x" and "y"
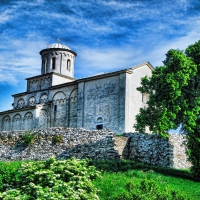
{"x": 53, "y": 63}
{"x": 68, "y": 64}
{"x": 43, "y": 66}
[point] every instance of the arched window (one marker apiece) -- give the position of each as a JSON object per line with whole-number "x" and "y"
{"x": 99, "y": 123}
{"x": 53, "y": 63}
{"x": 68, "y": 64}
{"x": 43, "y": 66}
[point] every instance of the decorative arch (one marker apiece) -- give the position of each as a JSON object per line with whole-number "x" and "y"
{"x": 59, "y": 109}
{"x": 73, "y": 109}
{"x": 28, "y": 121}
{"x": 59, "y": 97}
{"x": 20, "y": 103}
{"x": 43, "y": 98}
{"x": 6, "y": 123}
{"x": 17, "y": 122}
{"x": 99, "y": 120}
{"x": 32, "y": 101}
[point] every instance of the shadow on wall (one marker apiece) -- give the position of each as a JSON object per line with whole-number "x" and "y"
{"x": 99, "y": 144}
{"x": 58, "y": 142}
{"x": 155, "y": 150}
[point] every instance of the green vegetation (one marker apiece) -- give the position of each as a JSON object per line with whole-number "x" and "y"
{"x": 28, "y": 138}
{"x": 174, "y": 100}
{"x": 119, "y": 176}
{"x": 52, "y": 179}
{"x": 57, "y": 139}
{"x": 78, "y": 179}
{"x": 119, "y": 134}
{"x": 8, "y": 174}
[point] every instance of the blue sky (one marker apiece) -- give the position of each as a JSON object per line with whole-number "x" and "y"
{"x": 107, "y": 35}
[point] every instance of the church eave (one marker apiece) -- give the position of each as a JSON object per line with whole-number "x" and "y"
{"x": 104, "y": 75}
{"x": 58, "y": 49}
{"x": 19, "y": 94}
{"x": 17, "y": 110}
{"x": 63, "y": 85}
{"x": 54, "y": 73}
{"x": 142, "y": 64}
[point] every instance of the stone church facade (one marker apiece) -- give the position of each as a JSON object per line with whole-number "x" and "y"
{"x": 56, "y": 99}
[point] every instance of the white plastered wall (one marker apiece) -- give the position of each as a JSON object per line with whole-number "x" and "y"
{"x": 133, "y": 100}
{"x": 59, "y": 80}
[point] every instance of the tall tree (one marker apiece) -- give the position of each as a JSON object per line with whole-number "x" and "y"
{"x": 174, "y": 100}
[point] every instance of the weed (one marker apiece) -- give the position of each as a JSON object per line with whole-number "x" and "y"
{"x": 28, "y": 138}
{"x": 57, "y": 139}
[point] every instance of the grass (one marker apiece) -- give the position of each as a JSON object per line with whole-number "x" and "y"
{"x": 117, "y": 173}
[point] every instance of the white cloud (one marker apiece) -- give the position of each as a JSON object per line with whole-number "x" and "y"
{"x": 8, "y": 77}
{"x": 21, "y": 60}
{"x": 92, "y": 61}
{"x": 157, "y": 55}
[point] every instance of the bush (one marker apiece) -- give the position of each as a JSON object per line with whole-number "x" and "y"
{"x": 28, "y": 138}
{"x": 52, "y": 179}
{"x": 8, "y": 174}
{"x": 149, "y": 190}
{"x": 57, "y": 139}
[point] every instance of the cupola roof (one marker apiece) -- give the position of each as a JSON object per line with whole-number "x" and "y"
{"x": 58, "y": 45}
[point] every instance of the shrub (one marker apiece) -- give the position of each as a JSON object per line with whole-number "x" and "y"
{"x": 8, "y": 175}
{"x": 52, "y": 179}
{"x": 149, "y": 190}
{"x": 28, "y": 138}
{"x": 57, "y": 139}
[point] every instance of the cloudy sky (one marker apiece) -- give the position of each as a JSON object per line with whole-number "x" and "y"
{"x": 107, "y": 35}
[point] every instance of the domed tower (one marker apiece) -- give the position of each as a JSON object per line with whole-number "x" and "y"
{"x": 58, "y": 58}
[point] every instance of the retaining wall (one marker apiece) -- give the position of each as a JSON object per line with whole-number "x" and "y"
{"x": 99, "y": 144}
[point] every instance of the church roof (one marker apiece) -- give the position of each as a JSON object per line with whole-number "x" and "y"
{"x": 58, "y": 45}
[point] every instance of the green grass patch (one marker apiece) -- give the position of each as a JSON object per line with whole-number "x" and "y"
{"x": 121, "y": 179}
{"x": 119, "y": 135}
{"x": 118, "y": 174}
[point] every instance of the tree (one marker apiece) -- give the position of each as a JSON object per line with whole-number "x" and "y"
{"x": 174, "y": 100}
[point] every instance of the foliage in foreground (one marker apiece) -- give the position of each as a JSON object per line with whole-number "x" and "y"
{"x": 52, "y": 179}
{"x": 174, "y": 100}
{"x": 125, "y": 165}
{"x": 149, "y": 190}
{"x": 8, "y": 174}
{"x": 117, "y": 173}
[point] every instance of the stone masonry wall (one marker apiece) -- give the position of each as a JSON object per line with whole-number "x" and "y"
{"x": 78, "y": 143}
{"x": 98, "y": 144}
{"x": 155, "y": 150}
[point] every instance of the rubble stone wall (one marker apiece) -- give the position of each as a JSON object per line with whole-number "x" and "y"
{"x": 78, "y": 143}
{"x": 98, "y": 144}
{"x": 155, "y": 150}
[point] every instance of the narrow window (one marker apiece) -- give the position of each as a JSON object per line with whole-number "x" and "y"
{"x": 45, "y": 63}
{"x": 53, "y": 63}
{"x": 55, "y": 108}
{"x": 68, "y": 64}
{"x": 43, "y": 67}
{"x": 142, "y": 97}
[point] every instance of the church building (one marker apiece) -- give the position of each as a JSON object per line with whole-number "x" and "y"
{"x": 56, "y": 99}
